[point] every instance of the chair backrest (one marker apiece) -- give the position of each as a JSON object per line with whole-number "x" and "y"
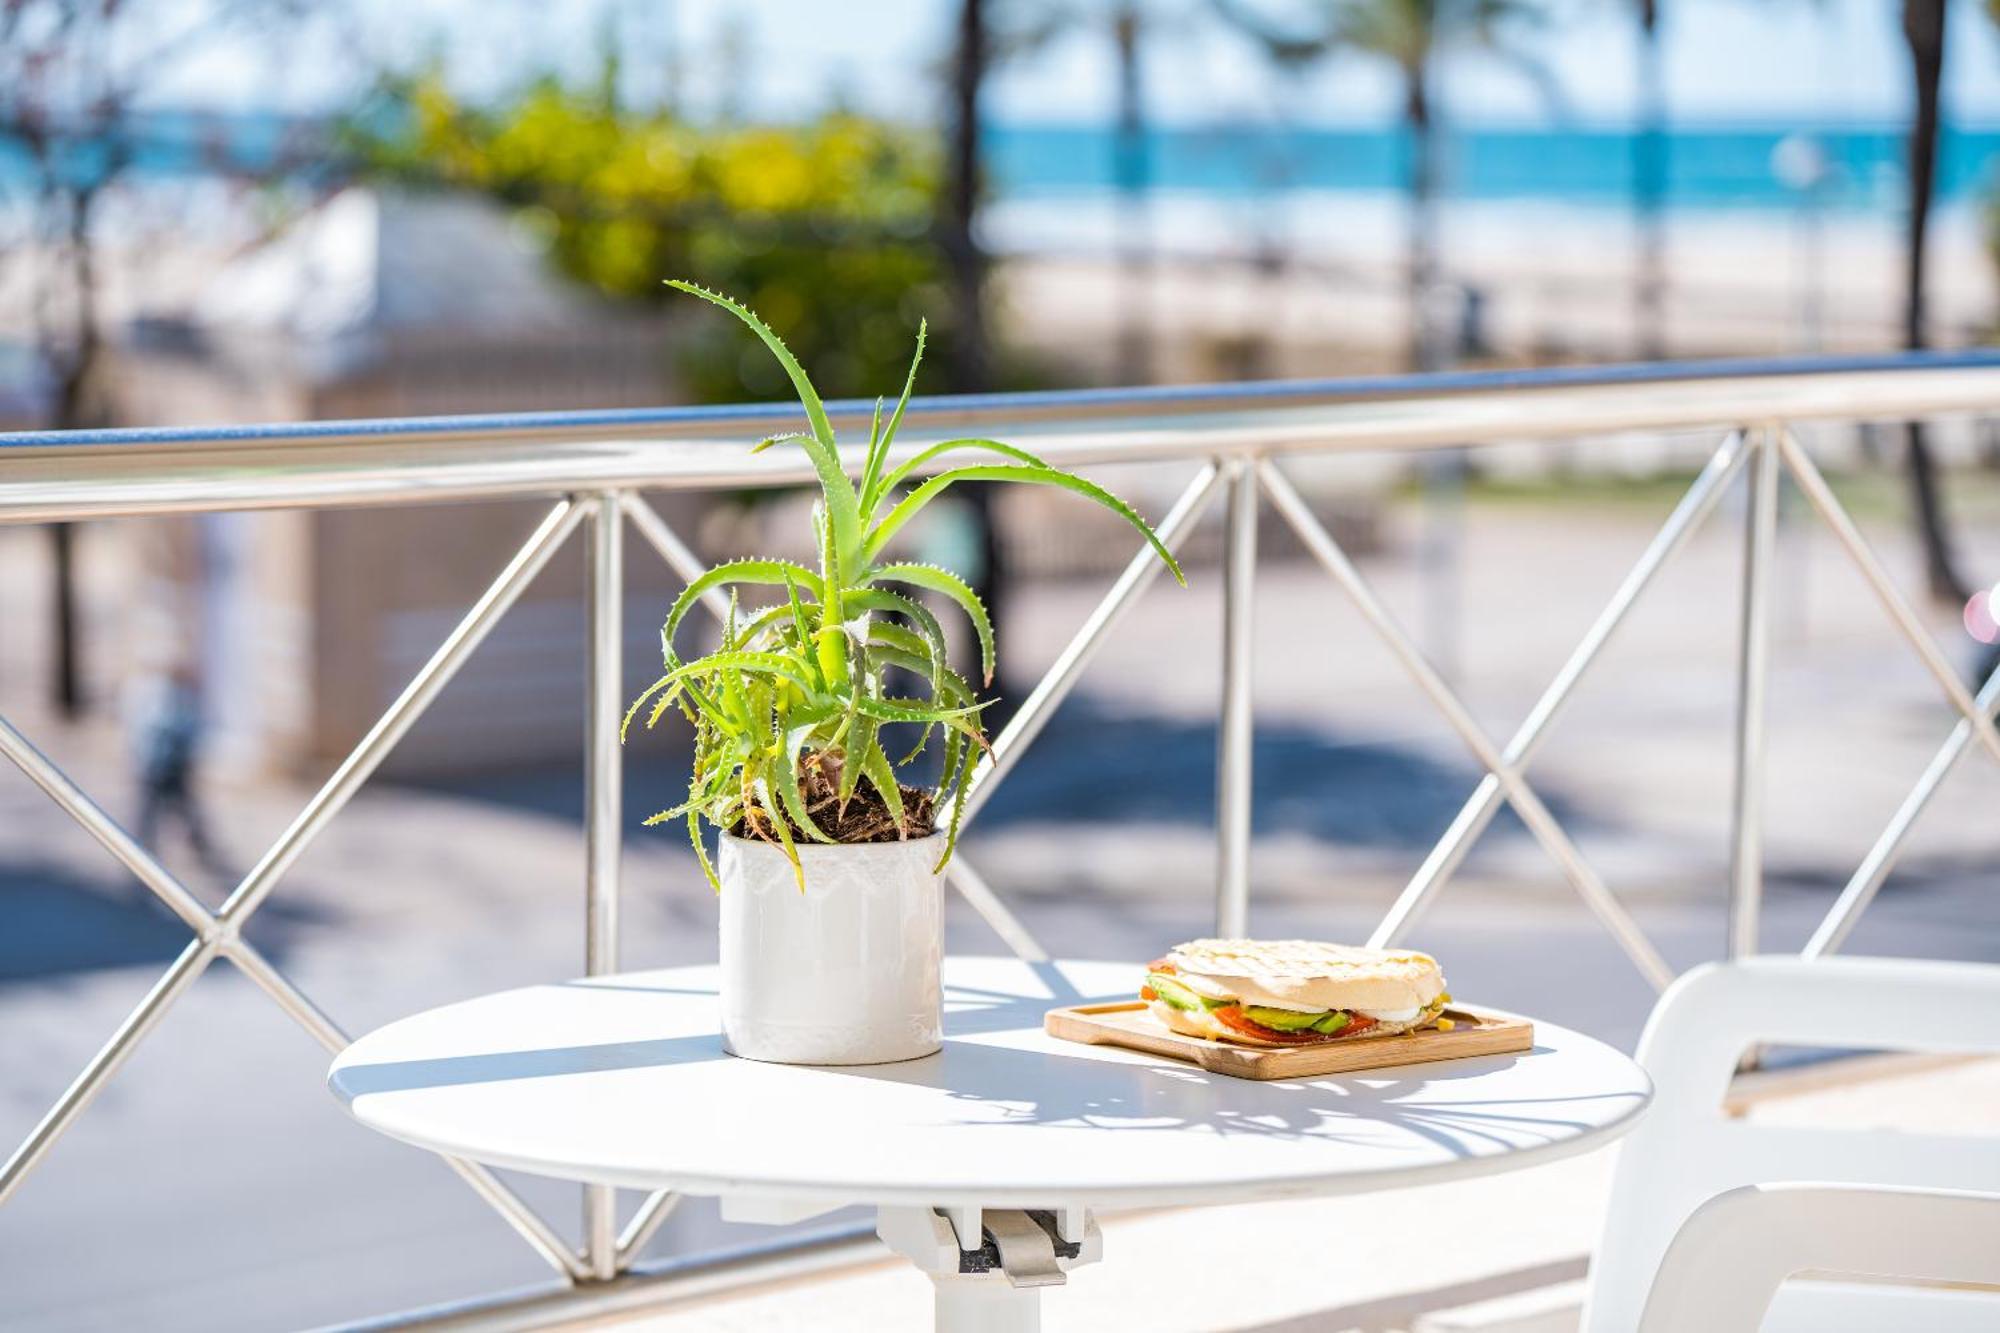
{"x": 1730, "y": 1257}
{"x": 1686, "y": 1150}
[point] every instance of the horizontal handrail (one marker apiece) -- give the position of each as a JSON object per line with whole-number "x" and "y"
{"x": 51, "y": 475}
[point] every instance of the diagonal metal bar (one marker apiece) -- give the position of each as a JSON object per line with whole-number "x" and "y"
{"x": 402, "y": 714}
{"x": 1445, "y": 857}
{"x": 213, "y": 936}
{"x": 680, "y": 557}
{"x": 1050, "y": 691}
{"x": 1533, "y": 812}
{"x": 1821, "y": 497}
{"x": 645, "y": 1224}
{"x": 75, "y": 803}
{"x": 1054, "y": 687}
{"x": 251, "y": 962}
{"x": 173, "y": 983}
{"x": 527, "y": 1223}
{"x": 219, "y": 934}
{"x": 110, "y": 1057}
{"x": 1753, "y": 676}
{"x": 513, "y": 1210}
{"x": 1881, "y": 859}
{"x": 996, "y": 913}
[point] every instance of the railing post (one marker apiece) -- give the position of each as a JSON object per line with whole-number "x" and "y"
{"x": 1753, "y": 665}
{"x": 1236, "y": 732}
{"x": 604, "y": 593}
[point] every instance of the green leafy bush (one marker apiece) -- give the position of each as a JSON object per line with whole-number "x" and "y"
{"x": 789, "y": 709}
{"x": 824, "y": 226}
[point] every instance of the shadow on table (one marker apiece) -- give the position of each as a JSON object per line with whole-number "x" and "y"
{"x": 1136, "y": 1097}
{"x": 1094, "y": 1089}
{"x": 354, "y": 1081}
{"x": 1095, "y": 1092}
{"x": 992, "y": 1012}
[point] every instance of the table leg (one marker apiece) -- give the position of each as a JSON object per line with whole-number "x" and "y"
{"x": 985, "y": 1303}
{"x": 988, "y": 1266}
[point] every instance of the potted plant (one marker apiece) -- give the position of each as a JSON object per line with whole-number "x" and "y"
{"x": 830, "y": 867}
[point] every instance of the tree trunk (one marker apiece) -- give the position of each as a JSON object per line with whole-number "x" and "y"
{"x": 1422, "y": 257}
{"x": 968, "y": 366}
{"x": 1923, "y": 30}
{"x": 1132, "y": 170}
{"x": 72, "y": 410}
{"x": 1649, "y": 191}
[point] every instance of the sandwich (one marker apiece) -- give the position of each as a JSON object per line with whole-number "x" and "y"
{"x": 1294, "y": 992}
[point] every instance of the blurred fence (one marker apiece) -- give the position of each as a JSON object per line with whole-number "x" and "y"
{"x": 1241, "y": 443}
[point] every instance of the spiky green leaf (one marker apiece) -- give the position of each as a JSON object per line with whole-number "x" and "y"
{"x": 765, "y": 572}
{"x": 914, "y": 502}
{"x": 842, "y": 504}
{"x": 882, "y": 777}
{"x": 939, "y": 580}
{"x": 871, "y": 500}
{"x": 880, "y": 444}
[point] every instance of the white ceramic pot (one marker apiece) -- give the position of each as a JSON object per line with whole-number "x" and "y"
{"x": 843, "y": 973}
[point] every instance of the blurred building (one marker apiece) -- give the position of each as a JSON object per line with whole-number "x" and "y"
{"x": 24, "y": 387}
{"x": 305, "y": 625}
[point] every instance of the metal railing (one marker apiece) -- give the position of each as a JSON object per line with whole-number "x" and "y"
{"x": 594, "y": 466}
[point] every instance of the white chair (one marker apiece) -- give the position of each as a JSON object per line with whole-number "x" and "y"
{"x": 1729, "y": 1259}
{"x": 1686, "y": 1150}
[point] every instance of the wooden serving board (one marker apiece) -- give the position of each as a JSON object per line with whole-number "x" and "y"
{"x": 1129, "y": 1023}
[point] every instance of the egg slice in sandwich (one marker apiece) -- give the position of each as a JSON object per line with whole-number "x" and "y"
{"x": 1293, "y": 992}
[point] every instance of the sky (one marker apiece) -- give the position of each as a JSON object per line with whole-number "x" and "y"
{"x": 1726, "y": 60}
{"x": 1736, "y": 61}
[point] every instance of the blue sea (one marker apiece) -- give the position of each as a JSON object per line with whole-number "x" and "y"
{"x": 1708, "y": 167}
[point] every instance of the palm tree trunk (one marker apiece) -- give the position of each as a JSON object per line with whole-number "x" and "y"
{"x": 67, "y": 673}
{"x": 1923, "y": 30}
{"x": 968, "y": 363}
{"x": 1132, "y": 171}
{"x": 72, "y": 409}
{"x": 1423, "y": 213}
{"x": 1649, "y": 190}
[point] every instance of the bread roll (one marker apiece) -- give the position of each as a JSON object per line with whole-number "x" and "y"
{"x": 1310, "y": 976}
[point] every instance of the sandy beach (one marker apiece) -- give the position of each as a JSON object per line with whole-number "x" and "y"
{"x": 1316, "y": 278}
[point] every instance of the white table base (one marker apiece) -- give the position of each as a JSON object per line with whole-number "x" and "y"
{"x": 986, "y": 1305}
{"x": 1007, "y": 1299}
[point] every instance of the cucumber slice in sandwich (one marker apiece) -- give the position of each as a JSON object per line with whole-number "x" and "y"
{"x": 1173, "y": 993}
{"x": 1281, "y": 1020}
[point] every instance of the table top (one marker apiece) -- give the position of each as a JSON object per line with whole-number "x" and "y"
{"x": 622, "y": 1080}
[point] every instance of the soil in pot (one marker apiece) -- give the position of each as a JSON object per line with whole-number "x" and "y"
{"x": 864, "y": 817}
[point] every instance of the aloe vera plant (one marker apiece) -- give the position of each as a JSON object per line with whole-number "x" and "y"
{"x": 790, "y": 707}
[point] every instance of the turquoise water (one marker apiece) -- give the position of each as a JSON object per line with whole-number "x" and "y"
{"x": 1708, "y": 167}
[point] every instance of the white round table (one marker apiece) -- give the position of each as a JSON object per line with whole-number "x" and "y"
{"x": 1004, "y": 1135}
